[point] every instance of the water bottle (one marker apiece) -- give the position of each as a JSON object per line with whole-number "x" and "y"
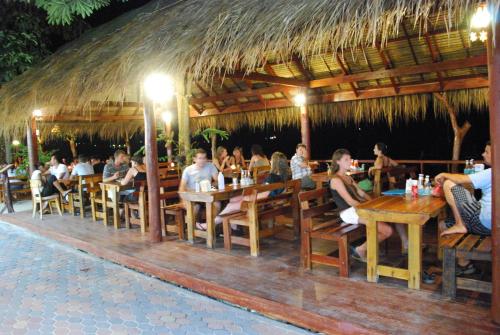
{"x": 471, "y": 167}
{"x": 220, "y": 181}
{"x": 420, "y": 182}
{"x": 197, "y": 187}
{"x": 466, "y": 169}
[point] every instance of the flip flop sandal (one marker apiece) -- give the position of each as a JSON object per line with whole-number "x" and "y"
{"x": 465, "y": 270}
{"x": 200, "y": 226}
{"x": 428, "y": 278}
{"x": 356, "y": 256}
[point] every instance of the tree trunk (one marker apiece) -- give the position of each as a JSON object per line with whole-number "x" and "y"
{"x": 183, "y": 93}
{"x": 458, "y": 131}
{"x": 213, "y": 141}
{"x": 72, "y": 146}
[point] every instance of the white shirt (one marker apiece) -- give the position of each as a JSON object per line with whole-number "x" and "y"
{"x": 37, "y": 175}
{"x": 82, "y": 169}
{"x": 60, "y": 171}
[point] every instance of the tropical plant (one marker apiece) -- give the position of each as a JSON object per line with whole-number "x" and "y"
{"x": 21, "y": 151}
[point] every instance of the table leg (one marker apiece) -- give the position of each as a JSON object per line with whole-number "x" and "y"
{"x": 414, "y": 255}
{"x": 210, "y": 224}
{"x": 104, "y": 192}
{"x": 372, "y": 251}
{"x": 190, "y": 220}
{"x": 116, "y": 211}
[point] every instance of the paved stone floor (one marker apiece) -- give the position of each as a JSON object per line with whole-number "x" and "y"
{"x": 48, "y": 288}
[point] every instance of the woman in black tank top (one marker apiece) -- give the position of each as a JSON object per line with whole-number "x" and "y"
{"x": 347, "y": 195}
{"x": 136, "y": 173}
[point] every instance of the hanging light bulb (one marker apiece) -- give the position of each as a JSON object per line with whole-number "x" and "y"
{"x": 473, "y": 36}
{"x": 159, "y": 87}
{"x": 481, "y": 18}
{"x": 300, "y": 99}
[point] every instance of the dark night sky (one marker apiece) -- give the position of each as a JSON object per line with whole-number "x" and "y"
{"x": 428, "y": 139}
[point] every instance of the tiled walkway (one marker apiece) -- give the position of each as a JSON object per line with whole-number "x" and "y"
{"x": 47, "y": 288}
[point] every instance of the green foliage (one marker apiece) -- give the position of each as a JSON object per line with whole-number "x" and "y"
{"x": 64, "y": 11}
{"x": 209, "y": 132}
{"x": 21, "y": 151}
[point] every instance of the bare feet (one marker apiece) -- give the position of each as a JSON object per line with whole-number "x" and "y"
{"x": 65, "y": 193}
{"x": 455, "y": 229}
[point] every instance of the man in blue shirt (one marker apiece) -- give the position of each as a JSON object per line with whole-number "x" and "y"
{"x": 470, "y": 215}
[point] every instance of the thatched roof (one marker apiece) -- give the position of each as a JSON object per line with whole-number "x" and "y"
{"x": 215, "y": 42}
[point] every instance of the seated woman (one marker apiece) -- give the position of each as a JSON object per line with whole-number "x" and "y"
{"x": 258, "y": 157}
{"x": 347, "y": 194}
{"x": 136, "y": 173}
{"x": 237, "y": 159}
{"x": 382, "y": 160}
{"x": 221, "y": 159}
{"x": 279, "y": 173}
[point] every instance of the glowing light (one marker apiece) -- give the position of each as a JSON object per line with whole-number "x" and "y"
{"x": 16, "y": 143}
{"x": 300, "y": 99}
{"x": 37, "y": 113}
{"x": 483, "y": 36}
{"x": 159, "y": 87}
{"x": 172, "y": 164}
{"x": 166, "y": 117}
{"x": 473, "y": 36}
{"x": 481, "y": 18}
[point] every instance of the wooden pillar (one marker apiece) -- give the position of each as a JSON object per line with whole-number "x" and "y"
{"x": 127, "y": 144}
{"x": 32, "y": 142}
{"x": 169, "y": 139}
{"x": 494, "y": 108}
{"x": 153, "y": 176}
{"x": 305, "y": 129}
{"x": 183, "y": 91}
{"x": 8, "y": 149}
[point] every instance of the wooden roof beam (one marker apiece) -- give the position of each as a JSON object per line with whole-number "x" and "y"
{"x": 346, "y": 71}
{"x": 269, "y": 69}
{"x": 305, "y": 72}
{"x": 242, "y": 94}
{"x": 402, "y": 71}
{"x": 268, "y": 78}
{"x": 388, "y": 65}
{"x": 412, "y": 49}
{"x": 202, "y": 90}
{"x": 370, "y": 67}
{"x": 435, "y": 57}
{"x": 430, "y": 87}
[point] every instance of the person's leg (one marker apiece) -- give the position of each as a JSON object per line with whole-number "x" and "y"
{"x": 401, "y": 229}
{"x": 459, "y": 226}
{"x": 59, "y": 187}
{"x": 384, "y": 232}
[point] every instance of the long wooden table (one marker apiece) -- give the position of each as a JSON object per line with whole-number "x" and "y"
{"x": 209, "y": 198}
{"x": 398, "y": 209}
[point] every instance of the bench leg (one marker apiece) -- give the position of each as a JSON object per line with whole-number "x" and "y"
{"x": 449, "y": 273}
{"x": 226, "y": 228}
{"x": 127, "y": 215}
{"x": 306, "y": 249}
{"x": 344, "y": 256}
{"x": 254, "y": 238}
{"x": 179, "y": 220}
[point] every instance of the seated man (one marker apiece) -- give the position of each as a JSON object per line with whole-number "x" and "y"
{"x": 97, "y": 164}
{"x": 117, "y": 168}
{"x": 56, "y": 175}
{"x": 195, "y": 173}
{"x": 82, "y": 168}
{"x": 300, "y": 168}
{"x": 469, "y": 214}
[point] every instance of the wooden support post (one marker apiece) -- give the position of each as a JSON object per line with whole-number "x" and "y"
{"x": 183, "y": 93}
{"x": 494, "y": 107}
{"x": 8, "y": 149}
{"x": 153, "y": 176}
{"x": 127, "y": 144}
{"x": 7, "y": 197}
{"x": 305, "y": 129}
{"x": 32, "y": 143}
{"x": 169, "y": 138}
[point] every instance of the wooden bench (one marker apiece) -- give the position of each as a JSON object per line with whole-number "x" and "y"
{"x": 81, "y": 195}
{"x": 94, "y": 191}
{"x": 254, "y": 211}
{"x": 391, "y": 178}
{"x": 260, "y": 173}
{"x": 170, "y": 206}
{"x": 470, "y": 247}
{"x": 22, "y": 181}
{"x": 315, "y": 224}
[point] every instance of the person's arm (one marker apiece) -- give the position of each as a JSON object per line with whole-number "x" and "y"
{"x": 251, "y": 164}
{"x": 454, "y": 177}
{"x": 361, "y": 193}
{"x": 215, "y": 162}
{"x": 128, "y": 177}
{"x": 379, "y": 163}
{"x": 337, "y": 185}
{"x": 183, "y": 186}
{"x": 243, "y": 163}
{"x": 232, "y": 161}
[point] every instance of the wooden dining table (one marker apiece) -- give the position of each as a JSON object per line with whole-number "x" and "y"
{"x": 403, "y": 210}
{"x": 209, "y": 199}
{"x": 110, "y": 199}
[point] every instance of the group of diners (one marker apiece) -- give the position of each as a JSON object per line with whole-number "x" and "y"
{"x": 56, "y": 176}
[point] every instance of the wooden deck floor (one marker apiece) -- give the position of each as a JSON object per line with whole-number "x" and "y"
{"x": 274, "y": 284}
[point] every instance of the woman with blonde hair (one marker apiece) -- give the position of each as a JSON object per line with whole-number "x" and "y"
{"x": 347, "y": 194}
{"x": 238, "y": 159}
{"x": 221, "y": 159}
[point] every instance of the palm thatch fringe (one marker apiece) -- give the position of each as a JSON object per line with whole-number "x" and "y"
{"x": 391, "y": 110}
{"x": 206, "y": 38}
{"x": 103, "y": 130}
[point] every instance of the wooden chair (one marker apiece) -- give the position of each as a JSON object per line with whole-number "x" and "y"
{"x": 171, "y": 206}
{"x": 316, "y": 225}
{"x": 81, "y": 195}
{"x": 254, "y": 211}
{"x": 140, "y": 206}
{"x": 94, "y": 191}
{"x": 391, "y": 178}
{"x": 38, "y": 200}
{"x": 470, "y": 247}
{"x": 260, "y": 173}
